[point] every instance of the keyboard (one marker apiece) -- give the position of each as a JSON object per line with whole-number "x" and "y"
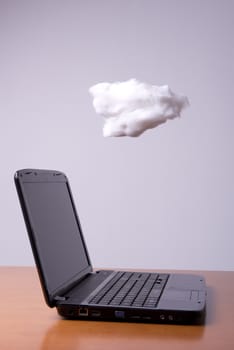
{"x": 131, "y": 289}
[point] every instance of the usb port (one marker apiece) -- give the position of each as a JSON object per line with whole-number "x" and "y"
{"x": 147, "y": 318}
{"x": 135, "y": 317}
{"x": 95, "y": 313}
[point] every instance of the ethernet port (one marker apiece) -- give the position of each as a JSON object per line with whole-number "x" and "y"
{"x": 83, "y": 311}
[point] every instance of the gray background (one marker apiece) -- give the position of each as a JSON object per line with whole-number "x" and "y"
{"x": 163, "y": 200}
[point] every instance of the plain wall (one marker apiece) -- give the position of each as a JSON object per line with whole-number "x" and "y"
{"x": 163, "y": 200}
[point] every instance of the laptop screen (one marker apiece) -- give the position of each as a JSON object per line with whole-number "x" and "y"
{"x": 56, "y": 232}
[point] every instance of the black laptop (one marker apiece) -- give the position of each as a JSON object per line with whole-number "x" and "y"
{"x": 68, "y": 280}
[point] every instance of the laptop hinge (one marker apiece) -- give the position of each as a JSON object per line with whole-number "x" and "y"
{"x": 59, "y": 298}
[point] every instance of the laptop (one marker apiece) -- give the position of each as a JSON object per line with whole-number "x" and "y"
{"x": 68, "y": 280}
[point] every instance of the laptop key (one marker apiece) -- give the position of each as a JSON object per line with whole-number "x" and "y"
{"x": 132, "y": 289}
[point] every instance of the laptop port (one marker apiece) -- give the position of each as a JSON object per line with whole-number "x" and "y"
{"x": 147, "y": 318}
{"x": 135, "y": 317}
{"x": 95, "y": 314}
{"x": 119, "y": 314}
{"x": 83, "y": 311}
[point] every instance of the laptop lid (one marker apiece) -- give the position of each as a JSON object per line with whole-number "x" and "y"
{"x": 54, "y": 230}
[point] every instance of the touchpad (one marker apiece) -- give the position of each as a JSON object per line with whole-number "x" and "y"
{"x": 175, "y": 294}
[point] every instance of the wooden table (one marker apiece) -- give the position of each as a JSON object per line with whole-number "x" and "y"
{"x": 27, "y": 323}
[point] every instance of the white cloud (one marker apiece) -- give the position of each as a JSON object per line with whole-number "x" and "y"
{"x": 129, "y": 108}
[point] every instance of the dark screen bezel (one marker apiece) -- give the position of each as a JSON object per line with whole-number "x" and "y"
{"x": 35, "y": 175}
